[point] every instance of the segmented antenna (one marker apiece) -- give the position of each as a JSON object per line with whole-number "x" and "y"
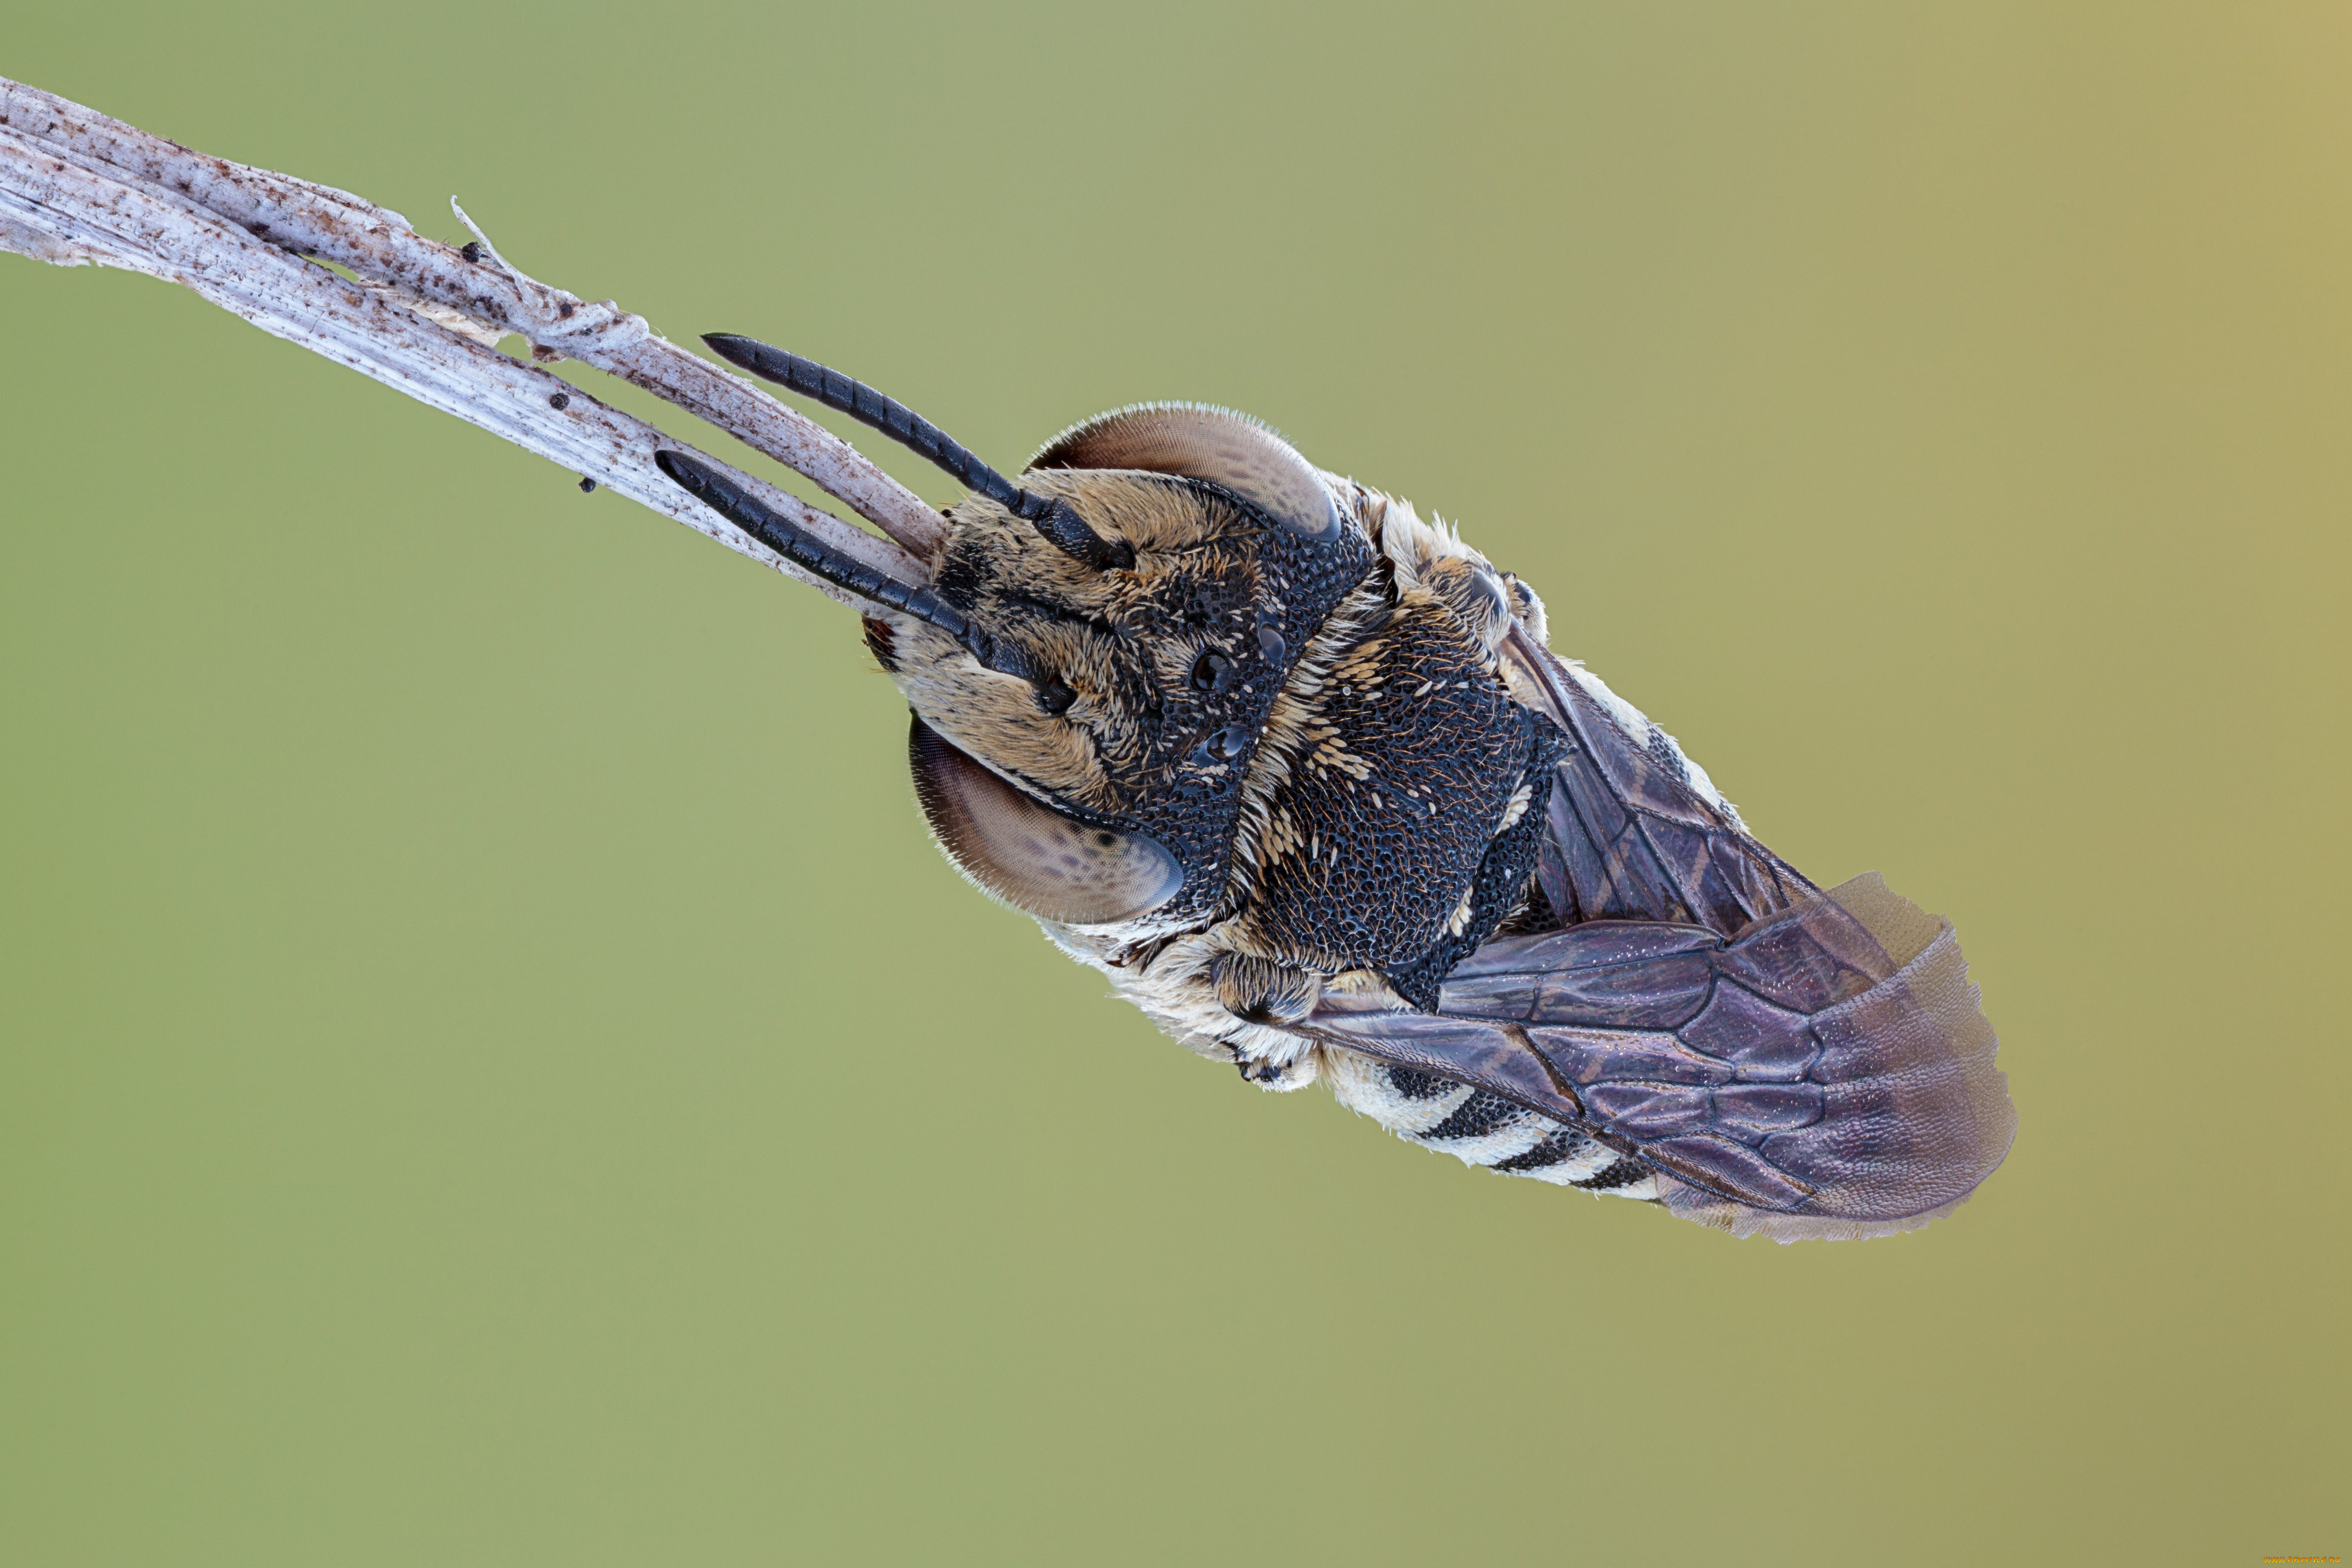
{"x": 803, "y": 550}
{"x": 1062, "y": 526}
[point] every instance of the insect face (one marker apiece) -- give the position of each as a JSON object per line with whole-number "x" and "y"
{"x": 1130, "y": 700}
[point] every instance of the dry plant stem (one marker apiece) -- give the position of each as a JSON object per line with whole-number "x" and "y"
{"x": 60, "y": 212}
{"x": 75, "y": 187}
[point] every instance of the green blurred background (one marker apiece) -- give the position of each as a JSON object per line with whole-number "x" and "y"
{"x": 492, "y": 1071}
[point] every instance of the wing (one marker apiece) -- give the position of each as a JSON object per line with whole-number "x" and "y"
{"x": 1634, "y": 830}
{"x": 1825, "y": 1074}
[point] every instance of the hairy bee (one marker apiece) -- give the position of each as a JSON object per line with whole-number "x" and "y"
{"x": 1298, "y": 772}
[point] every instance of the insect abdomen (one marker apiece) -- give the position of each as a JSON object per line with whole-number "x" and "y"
{"x": 1480, "y": 1128}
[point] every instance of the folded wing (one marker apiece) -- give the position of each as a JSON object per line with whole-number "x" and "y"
{"x": 1631, "y": 831}
{"x": 1826, "y": 1072}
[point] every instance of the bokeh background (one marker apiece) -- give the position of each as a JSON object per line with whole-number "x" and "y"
{"x": 491, "y": 1071}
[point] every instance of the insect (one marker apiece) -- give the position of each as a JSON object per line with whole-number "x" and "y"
{"x": 1299, "y": 773}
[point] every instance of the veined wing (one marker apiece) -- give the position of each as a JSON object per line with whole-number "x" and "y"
{"x": 1630, "y": 834}
{"x": 1825, "y": 1073}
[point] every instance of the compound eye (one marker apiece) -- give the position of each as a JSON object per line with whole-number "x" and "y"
{"x": 1029, "y": 854}
{"x": 1213, "y": 444}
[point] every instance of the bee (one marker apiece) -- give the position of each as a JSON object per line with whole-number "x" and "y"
{"x": 1299, "y": 773}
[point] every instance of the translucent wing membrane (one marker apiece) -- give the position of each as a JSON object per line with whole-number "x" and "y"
{"x": 1630, "y": 836}
{"x": 1826, "y": 1072}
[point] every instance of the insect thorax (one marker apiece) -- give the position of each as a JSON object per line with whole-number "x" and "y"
{"x": 1317, "y": 733}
